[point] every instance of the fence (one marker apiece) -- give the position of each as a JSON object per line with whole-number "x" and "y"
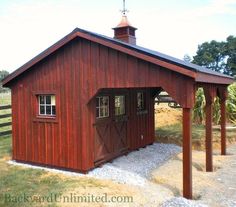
{"x": 3, "y": 121}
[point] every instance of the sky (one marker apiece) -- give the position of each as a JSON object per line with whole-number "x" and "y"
{"x": 173, "y": 27}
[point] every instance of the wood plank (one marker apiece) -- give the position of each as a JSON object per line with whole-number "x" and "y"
{"x": 5, "y": 107}
{"x": 222, "y": 93}
{"x": 209, "y": 158}
{"x": 5, "y": 124}
{"x": 5, "y": 116}
{"x": 210, "y": 93}
{"x": 187, "y": 153}
{"x": 4, "y": 133}
{"x": 223, "y": 127}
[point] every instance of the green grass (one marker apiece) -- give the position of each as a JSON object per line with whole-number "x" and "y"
{"x": 17, "y": 181}
{"x": 5, "y": 98}
{"x": 175, "y": 130}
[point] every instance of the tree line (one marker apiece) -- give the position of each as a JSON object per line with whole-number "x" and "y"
{"x": 219, "y": 56}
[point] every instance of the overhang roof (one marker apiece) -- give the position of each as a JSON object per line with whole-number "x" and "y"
{"x": 199, "y": 73}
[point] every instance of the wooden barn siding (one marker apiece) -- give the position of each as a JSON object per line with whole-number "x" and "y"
{"x": 141, "y": 124}
{"x": 76, "y": 72}
{"x": 114, "y": 69}
{"x": 54, "y": 143}
{"x": 108, "y": 68}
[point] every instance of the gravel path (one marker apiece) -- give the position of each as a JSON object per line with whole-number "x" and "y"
{"x": 136, "y": 167}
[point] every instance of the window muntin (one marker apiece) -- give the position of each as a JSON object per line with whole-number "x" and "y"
{"x": 47, "y": 105}
{"x": 140, "y": 101}
{"x": 102, "y": 106}
{"x": 119, "y": 105}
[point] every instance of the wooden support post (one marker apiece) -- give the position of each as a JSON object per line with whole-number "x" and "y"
{"x": 222, "y": 96}
{"x": 209, "y": 159}
{"x": 187, "y": 153}
{"x": 210, "y": 94}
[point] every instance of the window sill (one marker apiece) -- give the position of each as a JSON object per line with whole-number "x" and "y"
{"x": 49, "y": 119}
{"x": 142, "y": 112}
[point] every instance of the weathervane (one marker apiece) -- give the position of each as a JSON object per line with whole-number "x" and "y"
{"x": 124, "y": 11}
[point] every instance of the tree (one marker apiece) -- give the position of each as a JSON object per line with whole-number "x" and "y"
{"x": 218, "y": 56}
{"x": 3, "y": 74}
{"x": 230, "y": 53}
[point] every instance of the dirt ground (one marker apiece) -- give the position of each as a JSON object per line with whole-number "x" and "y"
{"x": 164, "y": 115}
{"x": 216, "y": 188}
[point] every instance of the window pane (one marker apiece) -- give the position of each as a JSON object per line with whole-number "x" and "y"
{"x": 102, "y": 106}
{"x": 119, "y": 105}
{"x": 53, "y": 110}
{"x": 41, "y": 100}
{"x": 42, "y": 110}
{"x": 106, "y": 112}
{"x": 140, "y": 101}
{"x": 48, "y": 99}
{"x": 97, "y": 101}
{"x": 53, "y": 100}
{"x": 97, "y": 112}
{"x": 48, "y": 110}
{"x": 47, "y": 105}
{"x": 104, "y": 101}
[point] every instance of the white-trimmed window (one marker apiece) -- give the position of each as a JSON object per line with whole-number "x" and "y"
{"x": 102, "y": 106}
{"x": 140, "y": 101}
{"x": 119, "y": 105}
{"x": 47, "y": 105}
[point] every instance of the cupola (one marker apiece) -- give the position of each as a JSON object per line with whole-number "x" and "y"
{"x": 124, "y": 31}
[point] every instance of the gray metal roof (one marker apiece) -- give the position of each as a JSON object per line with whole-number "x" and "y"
{"x": 158, "y": 55}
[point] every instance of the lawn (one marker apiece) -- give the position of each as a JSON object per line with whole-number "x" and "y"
{"x": 18, "y": 181}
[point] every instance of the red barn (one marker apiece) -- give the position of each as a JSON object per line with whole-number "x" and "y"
{"x": 89, "y": 98}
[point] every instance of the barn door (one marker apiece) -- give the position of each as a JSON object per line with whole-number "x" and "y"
{"x": 120, "y": 119}
{"x": 110, "y": 126}
{"x": 103, "y": 122}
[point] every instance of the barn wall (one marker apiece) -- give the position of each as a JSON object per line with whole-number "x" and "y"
{"x": 54, "y": 142}
{"x": 141, "y": 125}
{"x": 108, "y": 68}
{"x": 75, "y": 73}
